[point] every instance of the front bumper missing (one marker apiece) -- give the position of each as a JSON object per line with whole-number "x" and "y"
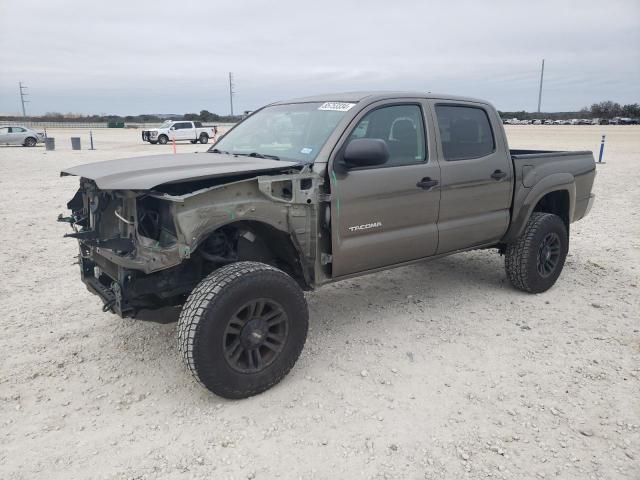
{"x": 104, "y": 286}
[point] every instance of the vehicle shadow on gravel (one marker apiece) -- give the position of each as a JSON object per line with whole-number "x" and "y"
{"x": 481, "y": 273}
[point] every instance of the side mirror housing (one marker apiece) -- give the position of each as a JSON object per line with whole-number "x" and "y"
{"x": 365, "y": 152}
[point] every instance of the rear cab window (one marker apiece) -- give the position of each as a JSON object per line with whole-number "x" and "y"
{"x": 465, "y": 132}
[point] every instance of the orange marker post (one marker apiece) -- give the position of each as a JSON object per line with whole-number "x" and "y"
{"x": 173, "y": 140}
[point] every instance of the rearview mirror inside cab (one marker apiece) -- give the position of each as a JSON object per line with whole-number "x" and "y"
{"x": 364, "y": 152}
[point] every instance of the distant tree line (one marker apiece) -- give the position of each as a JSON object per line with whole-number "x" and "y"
{"x": 606, "y": 109}
{"x": 203, "y": 116}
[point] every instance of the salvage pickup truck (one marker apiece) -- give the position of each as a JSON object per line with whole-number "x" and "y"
{"x": 310, "y": 191}
{"x": 179, "y": 131}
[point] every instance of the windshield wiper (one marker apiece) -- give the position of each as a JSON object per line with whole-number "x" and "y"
{"x": 215, "y": 150}
{"x": 258, "y": 155}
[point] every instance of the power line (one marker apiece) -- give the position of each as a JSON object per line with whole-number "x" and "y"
{"x": 540, "y": 91}
{"x": 22, "y": 100}
{"x": 231, "y": 91}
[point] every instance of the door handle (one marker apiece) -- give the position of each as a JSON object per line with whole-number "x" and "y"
{"x": 426, "y": 183}
{"x": 498, "y": 175}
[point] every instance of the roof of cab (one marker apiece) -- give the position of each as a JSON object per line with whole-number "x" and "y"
{"x": 373, "y": 96}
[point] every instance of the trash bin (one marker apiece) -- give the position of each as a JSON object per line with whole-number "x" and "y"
{"x": 75, "y": 143}
{"x": 50, "y": 143}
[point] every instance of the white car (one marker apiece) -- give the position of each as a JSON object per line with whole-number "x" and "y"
{"x": 179, "y": 131}
{"x": 19, "y": 135}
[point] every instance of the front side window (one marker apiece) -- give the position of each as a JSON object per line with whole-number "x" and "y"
{"x": 294, "y": 131}
{"x": 465, "y": 132}
{"x": 402, "y": 129}
{"x": 182, "y": 126}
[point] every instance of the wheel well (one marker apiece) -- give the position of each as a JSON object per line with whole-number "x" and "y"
{"x": 557, "y": 202}
{"x": 254, "y": 241}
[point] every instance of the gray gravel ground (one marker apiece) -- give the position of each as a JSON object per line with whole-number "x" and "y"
{"x": 437, "y": 370}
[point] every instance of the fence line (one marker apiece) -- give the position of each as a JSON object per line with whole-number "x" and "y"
{"x": 99, "y": 124}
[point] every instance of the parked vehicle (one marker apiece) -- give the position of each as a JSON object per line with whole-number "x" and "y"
{"x": 623, "y": 121}
{"x": 19, "y": 135}
{"x": 548, "y": 122}
{"x": 307, "y": 192}
{"x": 179, "y": 131}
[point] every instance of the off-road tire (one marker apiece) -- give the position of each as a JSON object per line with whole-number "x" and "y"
{"x": 521, "y": 257}
{"x": 163, "y": 139}
{"x": 204, "y": 138}
{"x": 30, "y": 142}
{"x": 208, "y": 311}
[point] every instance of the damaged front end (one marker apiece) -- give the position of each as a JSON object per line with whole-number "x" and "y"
{"x": 126, "y": 240}
{"x": 145, "y": 249}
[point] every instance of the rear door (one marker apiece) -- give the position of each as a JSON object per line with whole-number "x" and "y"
{"x": 4, "y": 135}
{"x": 477, "y": 175}
{"x": 380, "y": 215}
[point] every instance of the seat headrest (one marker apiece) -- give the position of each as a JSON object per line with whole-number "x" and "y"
{"x": 404, "y": 129}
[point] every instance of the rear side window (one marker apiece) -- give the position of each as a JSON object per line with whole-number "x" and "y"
{"x": 401, "y": 127}
{"x": 197, "y": 124}
{"x": 465, "y": 132}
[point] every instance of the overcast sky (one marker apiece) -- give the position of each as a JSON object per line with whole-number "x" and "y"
{"x": 170, "y": 56}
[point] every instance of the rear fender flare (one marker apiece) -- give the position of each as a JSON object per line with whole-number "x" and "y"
{"x": 551, "y": 183}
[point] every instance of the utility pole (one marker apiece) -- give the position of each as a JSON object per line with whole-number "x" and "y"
{"x": 22, "y": 95}
{"x": 231, "y": 91}
{"x": 540, "y": 91}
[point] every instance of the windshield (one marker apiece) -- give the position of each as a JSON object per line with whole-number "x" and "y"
{"x": 295, "y": 131}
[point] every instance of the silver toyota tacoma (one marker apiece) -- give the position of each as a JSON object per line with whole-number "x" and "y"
{"x": 311, "y": 191}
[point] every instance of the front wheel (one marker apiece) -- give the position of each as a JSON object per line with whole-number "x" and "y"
{"x": 535, "y": 261}
{"x": 243, "y": 328}
{"x": 163, "y": 139}
{"x": 30, "y": 142}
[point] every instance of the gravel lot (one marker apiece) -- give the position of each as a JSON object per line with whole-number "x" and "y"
{"x": 437, "y": 370}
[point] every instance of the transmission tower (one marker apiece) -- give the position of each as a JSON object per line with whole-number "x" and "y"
{"x": 231, "y": 91}
{"x": 540, "y": 91}
{"x": 22, "y": 100}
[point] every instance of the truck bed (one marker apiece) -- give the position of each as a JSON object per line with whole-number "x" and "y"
{"x": 526, "y": 154}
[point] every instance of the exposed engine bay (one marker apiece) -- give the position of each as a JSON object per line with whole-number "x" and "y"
{"x": 148, "y": 249}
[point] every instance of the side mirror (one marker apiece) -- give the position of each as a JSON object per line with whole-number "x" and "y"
{"x": 365, "y": 152}
{"x": 172, "y": 128}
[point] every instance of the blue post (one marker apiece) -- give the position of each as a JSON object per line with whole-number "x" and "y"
{"x": 91, "y": 140}
{"x": 601, "y": 150}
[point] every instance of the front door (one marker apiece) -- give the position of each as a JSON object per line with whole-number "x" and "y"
{"x": 477, "y": 176}
{"x": 387, "y": 214}
{"x": 184, "y": 131}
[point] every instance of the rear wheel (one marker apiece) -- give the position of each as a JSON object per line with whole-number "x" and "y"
{"x": 535, "y": 261}
{"x": 30, "y": 142}
{"x": 204, "y": 138}
{"x": 163, "y": 139}
{"x": 243, "y": 328}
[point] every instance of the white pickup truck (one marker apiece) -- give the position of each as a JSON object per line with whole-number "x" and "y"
{"x": 179, "y": 130}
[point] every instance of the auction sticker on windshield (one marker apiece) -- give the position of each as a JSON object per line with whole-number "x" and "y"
{"x": 336, "y": 106}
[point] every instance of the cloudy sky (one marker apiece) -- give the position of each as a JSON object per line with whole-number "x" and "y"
{"x": 170, "y": 56}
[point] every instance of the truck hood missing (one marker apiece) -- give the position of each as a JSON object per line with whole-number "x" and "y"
{"x": 144, "y": 173}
